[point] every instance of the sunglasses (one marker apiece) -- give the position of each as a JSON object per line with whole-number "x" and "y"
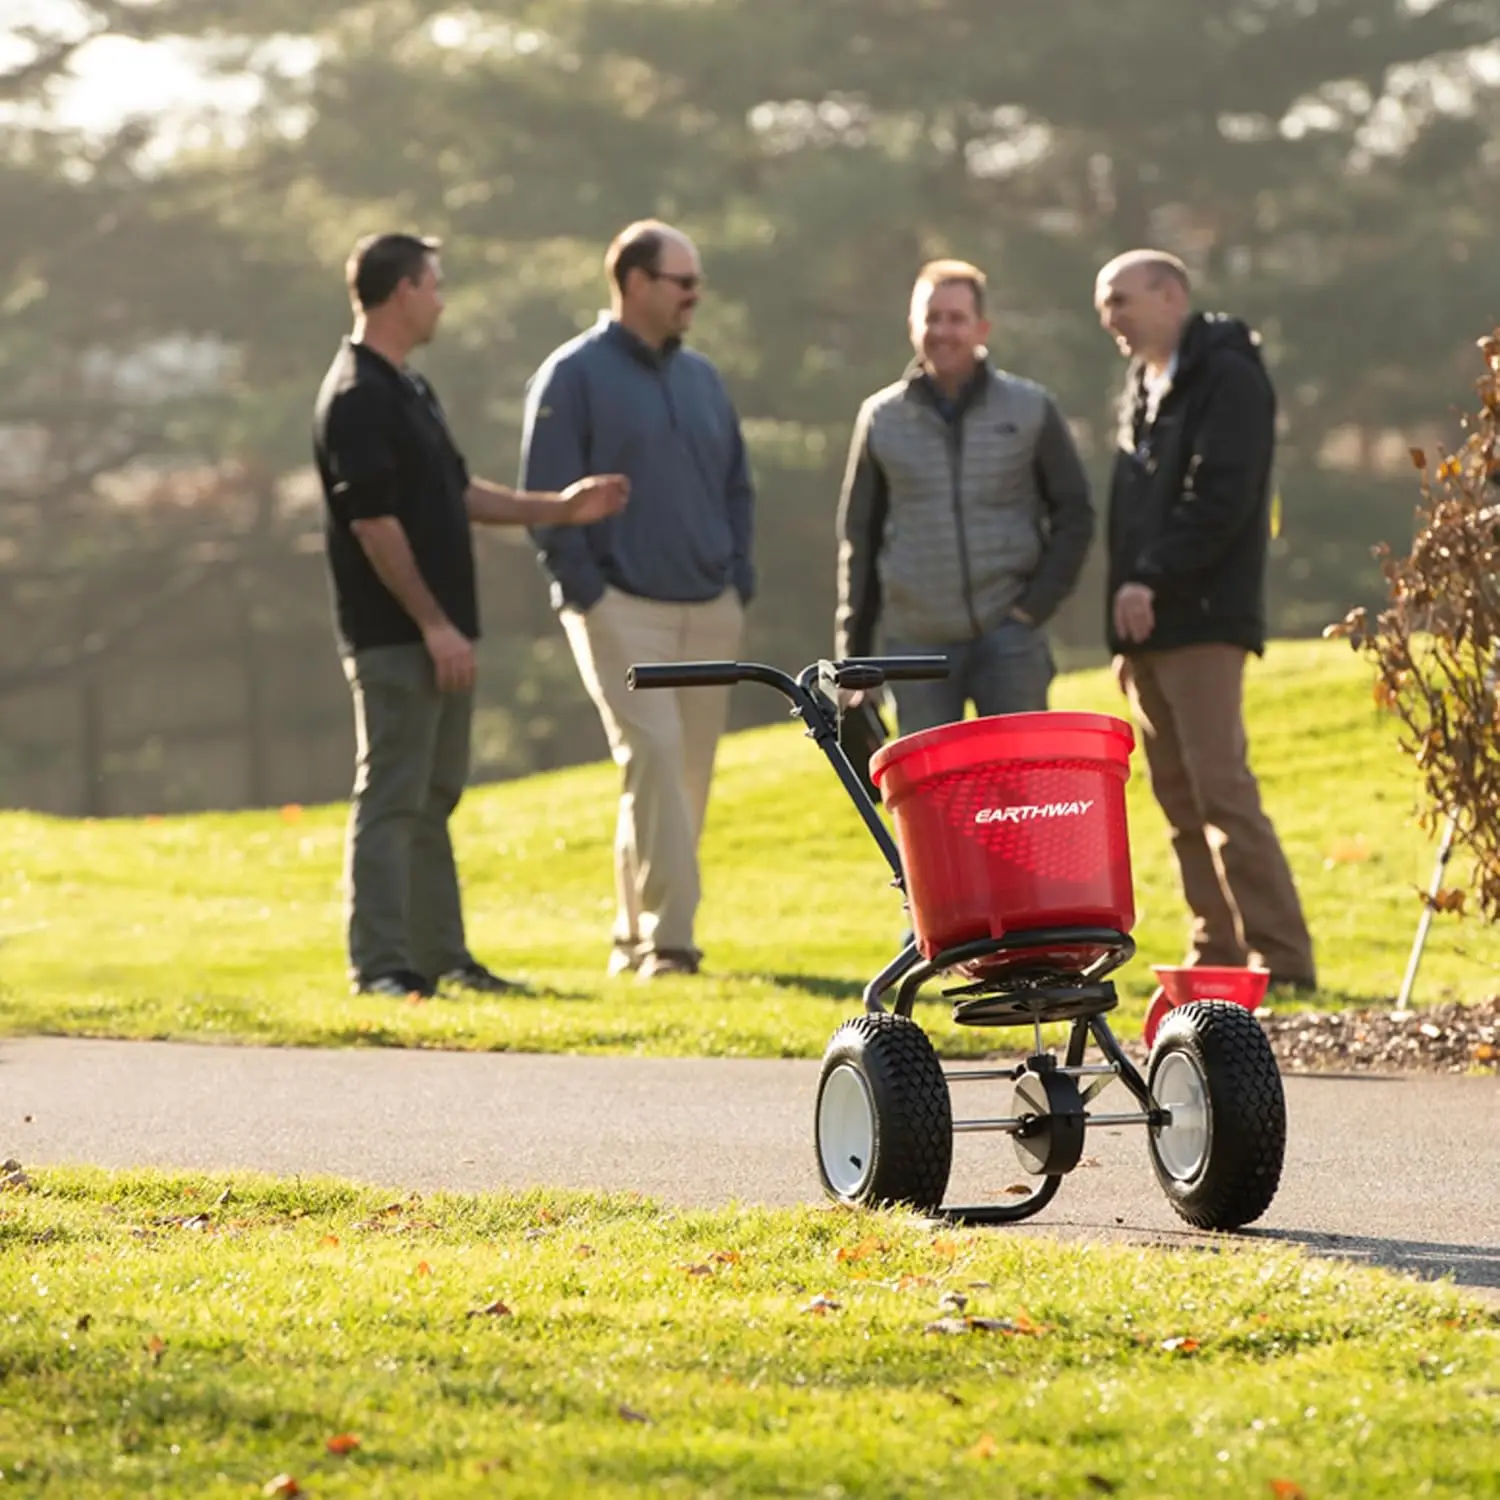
{"x": 688, "y": 283}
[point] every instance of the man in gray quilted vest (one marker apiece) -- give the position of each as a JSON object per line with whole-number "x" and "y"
{"x": 965, "y": 516}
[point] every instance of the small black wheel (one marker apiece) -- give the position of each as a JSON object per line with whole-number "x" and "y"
{"x": 884, "y": 1120}
{"x": 1220, "y": 1159}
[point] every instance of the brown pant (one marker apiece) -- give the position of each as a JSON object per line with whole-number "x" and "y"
{"x": 1187, "y": 704}
{"x": 664, "y": 741}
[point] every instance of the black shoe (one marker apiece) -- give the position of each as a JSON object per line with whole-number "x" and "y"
{"x": 661, "y": 963}
{"x": 478, "y": 980}
{"x": 398, "y": 984}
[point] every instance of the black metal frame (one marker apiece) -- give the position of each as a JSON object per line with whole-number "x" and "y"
{"x": 1012, "y": 997}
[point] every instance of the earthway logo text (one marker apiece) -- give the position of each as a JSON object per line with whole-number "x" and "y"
{"x": 1029, "y": 813}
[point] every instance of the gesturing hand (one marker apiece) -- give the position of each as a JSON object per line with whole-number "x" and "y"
{"x": 594, "y": 498}
{"x": 1134, "y": 612}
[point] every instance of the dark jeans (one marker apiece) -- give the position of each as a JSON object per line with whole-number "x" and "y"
{"x": 412, "y": 763}
{"x": 1007, "y": 670}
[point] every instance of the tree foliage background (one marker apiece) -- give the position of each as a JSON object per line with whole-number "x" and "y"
{"x": 170, "y": 288}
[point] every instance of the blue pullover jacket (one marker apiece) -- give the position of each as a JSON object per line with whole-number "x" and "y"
{"x": 608, "y": 403}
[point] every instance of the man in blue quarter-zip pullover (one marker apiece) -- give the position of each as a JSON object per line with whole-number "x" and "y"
{"x": 668, "y": 580}
{"x": 965, "y": 516}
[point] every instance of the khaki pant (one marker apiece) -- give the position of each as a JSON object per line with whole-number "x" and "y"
{"x": 412, "y": 762}
{"x": 664, "y": 741}
{"x": 1187, "y": 704}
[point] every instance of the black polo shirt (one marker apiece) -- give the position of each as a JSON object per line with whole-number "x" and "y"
{"x": 383, "y": 449}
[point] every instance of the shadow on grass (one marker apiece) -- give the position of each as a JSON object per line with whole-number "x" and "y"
{"x": 820, "y": 986}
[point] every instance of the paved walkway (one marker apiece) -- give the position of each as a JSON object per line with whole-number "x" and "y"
{"x": 1397, "y": 1171}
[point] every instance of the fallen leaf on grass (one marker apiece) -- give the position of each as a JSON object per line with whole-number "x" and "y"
{"x": 583, "y": 1252}
{"x": 1353, "y": 851}
{"x": 862, "y": 1251}
{"x": 489, "y": 1465}
{"x": 496, "y": 1309}
{"x": 701, "y": 1269}
{"x": 84, "y": 1319}
{"x": 13, "y": 1178}
{"x": 986, "y": 1447}
{"x": 1099, "y": 1484}
{"x": 951, "y": 1398}
{"x": 423, "y": 1269}
{"x": 1181, "y": 1346}
{"x": 821, "y": 1306}
{"x": 156, "y": 1348}
{"x": 330, "y": 1240}
{"x": 909, "y": 1282}
{"x": 282, "y": 1487}
{"x": 726, "y": 1257}
{"x": 345, "y": 1442}
{"x": 948, "y": 1249}
{"x": 1017, "y": 1328}
{"x": 1287, "y": 1489}
{"x": 1484, "y": 1052}
{"x": 956, "y": 1301}
{"x": 630, "y": 1414}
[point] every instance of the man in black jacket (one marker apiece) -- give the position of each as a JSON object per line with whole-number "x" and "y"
{"x": 1189, "y": 519}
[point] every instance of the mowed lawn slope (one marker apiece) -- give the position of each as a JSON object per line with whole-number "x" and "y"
{"x": 227, "y": 927}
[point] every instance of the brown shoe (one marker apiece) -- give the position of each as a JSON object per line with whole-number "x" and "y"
{"x": 664, "y": 962}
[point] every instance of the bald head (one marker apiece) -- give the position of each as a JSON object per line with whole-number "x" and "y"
{"x": 655, "y": 280}
{"x": 1143, "y": 298}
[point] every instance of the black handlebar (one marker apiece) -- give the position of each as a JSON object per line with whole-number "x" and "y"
{"x": 902, "y": 668}
{"x": 685, "y": 674}
{"x": 852, "y": 672}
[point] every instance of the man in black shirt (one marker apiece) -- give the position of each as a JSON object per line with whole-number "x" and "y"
{"x": 400, "y": 502}
{"x": 1189, "y": 522}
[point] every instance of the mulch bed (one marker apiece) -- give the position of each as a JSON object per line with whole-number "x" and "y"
{"x": 1451, "y": 1038}
{"x": 1454, "y": 1038}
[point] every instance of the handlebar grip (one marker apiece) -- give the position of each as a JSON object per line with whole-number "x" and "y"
{"x": 685, "y": 674}
{"x": 909, "y": 668}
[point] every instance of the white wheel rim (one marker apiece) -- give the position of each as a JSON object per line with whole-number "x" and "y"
{"x": 1182, "y": 1146}
{"x": 846, "y": 1130}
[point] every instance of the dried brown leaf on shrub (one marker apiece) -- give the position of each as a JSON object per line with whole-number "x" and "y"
{"x": 1435, "y": 646}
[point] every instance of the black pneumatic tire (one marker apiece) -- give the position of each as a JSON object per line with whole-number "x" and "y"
{"x": 908, "y": 1153}
{"x": 1241, "y": 1166}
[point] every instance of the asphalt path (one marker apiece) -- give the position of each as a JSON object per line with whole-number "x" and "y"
{"x": 1399, "y": 1171}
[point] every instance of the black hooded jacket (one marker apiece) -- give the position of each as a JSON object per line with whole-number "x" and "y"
{"x": 1190, "y": 498}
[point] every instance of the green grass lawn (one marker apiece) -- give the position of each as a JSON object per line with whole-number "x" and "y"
{"x": 228, "y": 927}
{"x": 159, "y": 1342}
